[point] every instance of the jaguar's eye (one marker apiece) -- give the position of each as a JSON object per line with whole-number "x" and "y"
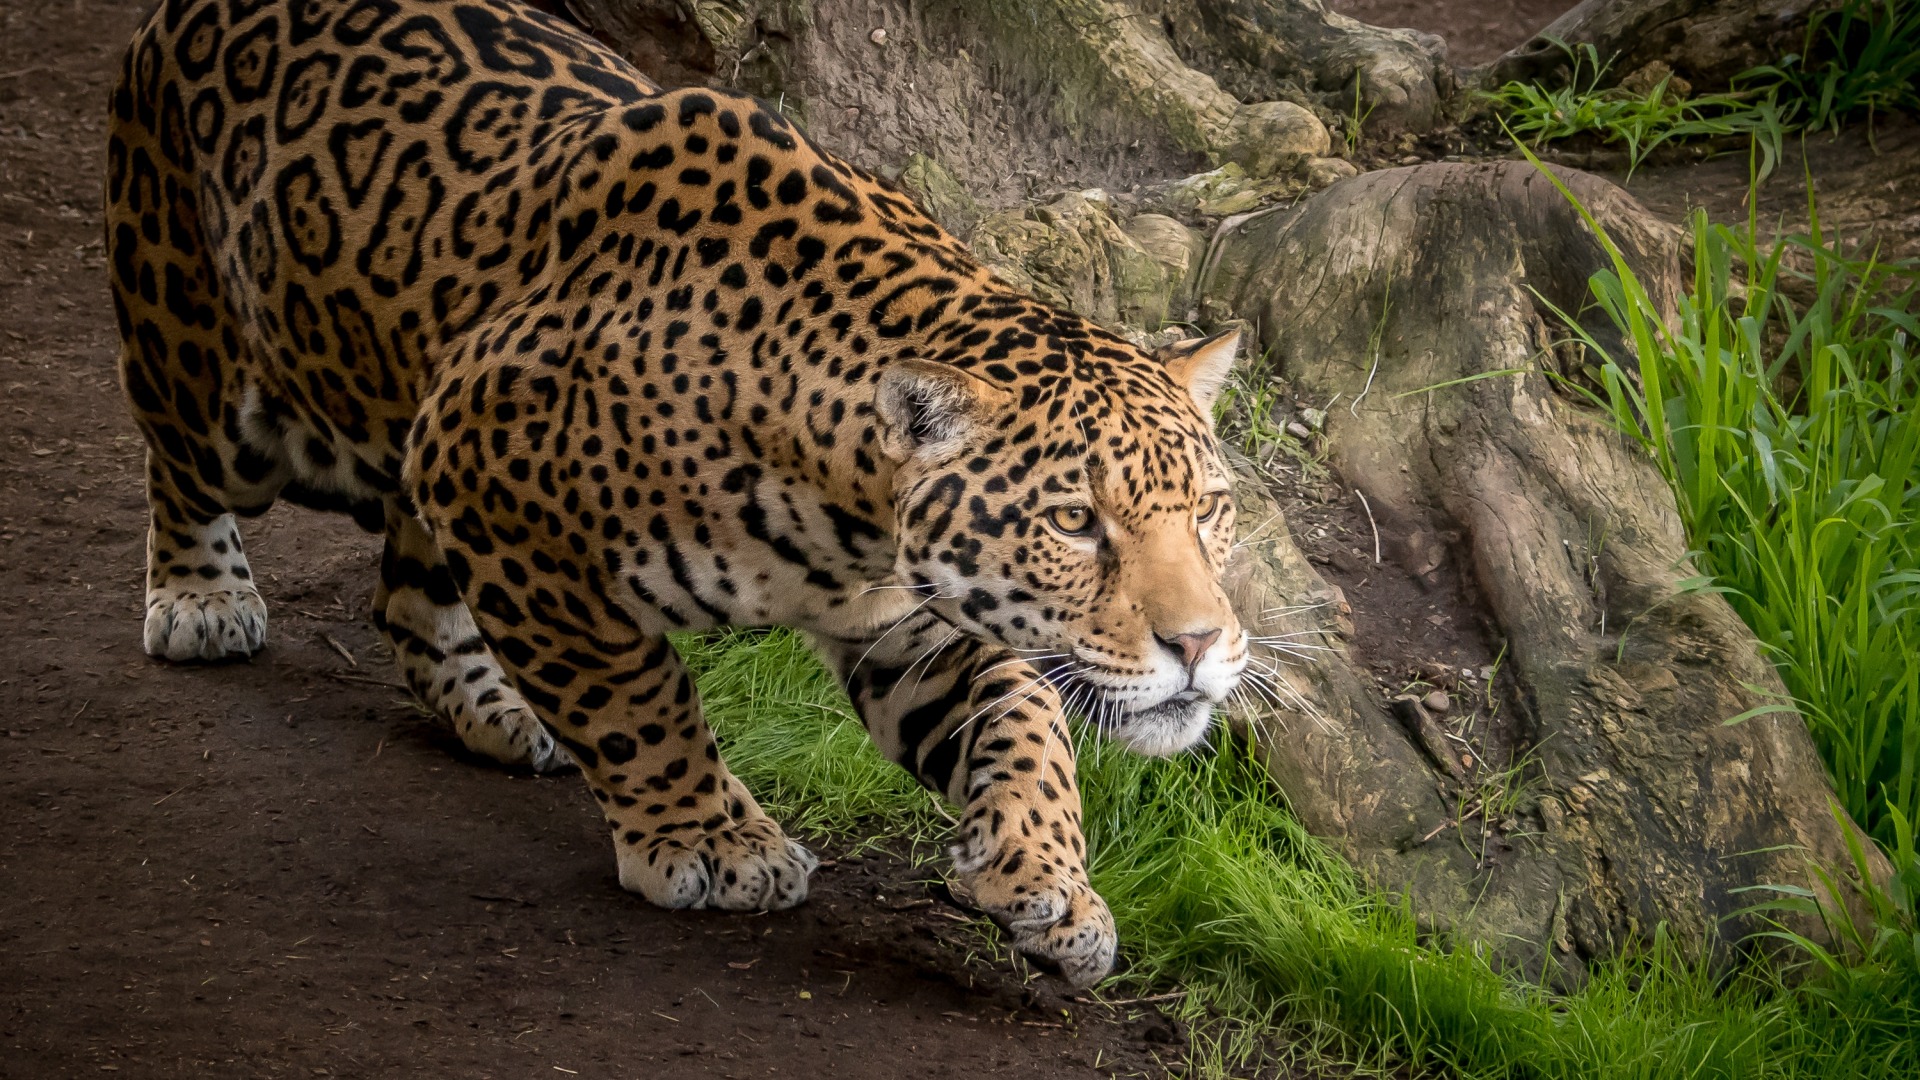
{"x": 1211, "y": 504}
{"x": 1071, "y": 520}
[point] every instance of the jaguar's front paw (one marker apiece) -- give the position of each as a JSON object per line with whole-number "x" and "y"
{"x": 216, "y": 624}
{"x": 491, "y": 719}
{"x": 526, "y": 742}
{"x": 735, "y": 866}
{"x": 1043, "y": 899}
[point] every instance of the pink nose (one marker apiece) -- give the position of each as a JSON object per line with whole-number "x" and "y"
{"x": 1192, "y": 646}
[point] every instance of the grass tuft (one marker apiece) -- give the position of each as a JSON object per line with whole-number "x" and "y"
{"x": 1789, "y": 431}
{"x": 1642, "y": 118}
{"x": 792, "y": 737}
{"x": 1860, "y": 59}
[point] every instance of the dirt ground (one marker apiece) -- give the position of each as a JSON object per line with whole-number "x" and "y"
{"x": 1867, "y": 189}
{"x": 279, "y": 869}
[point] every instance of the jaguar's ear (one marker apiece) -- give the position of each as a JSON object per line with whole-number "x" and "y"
{"x": 926, "y": 407}
{"x": 1201, "y": 366}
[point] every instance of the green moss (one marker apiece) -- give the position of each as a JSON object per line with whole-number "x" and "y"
{"x": 942, "y": 194}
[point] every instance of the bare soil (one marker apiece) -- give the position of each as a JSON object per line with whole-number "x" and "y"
{"x": 279, "y": 868}
{"x": 1866, "y": 184}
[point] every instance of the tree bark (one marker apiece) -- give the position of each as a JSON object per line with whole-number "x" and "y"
{"x": 1058, "y": 93}
{"x": 1264, "y": 50}
{"x": 1644, "y": 807}
{"x": 1706, "y": 42}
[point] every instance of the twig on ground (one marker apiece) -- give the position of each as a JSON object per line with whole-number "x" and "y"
{"x": 1375, "y": 526}
{"x": 344, "y": 677}
{"x": 345, "y": 653}
{"x": 175, "y": 791}
{"x": 1150, "y": 999}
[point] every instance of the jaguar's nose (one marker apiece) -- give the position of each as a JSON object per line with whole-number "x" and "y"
{"x": 1190, "y": 646}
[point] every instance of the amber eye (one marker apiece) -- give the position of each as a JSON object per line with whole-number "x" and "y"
{"x": 1071, "y": 520}
{"x": 1211, "y": 504}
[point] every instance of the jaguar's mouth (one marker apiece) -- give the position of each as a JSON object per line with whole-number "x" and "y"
{"x": 1160, "y": 729}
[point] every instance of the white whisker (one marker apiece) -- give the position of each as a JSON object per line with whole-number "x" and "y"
{"x": 1293, "y": 644}
{"x": 1296, "y": 650}
{"x": 1262, "y": 527}
{"x": 902, "y": 621}
{"x": 962, "y": 726}
{"x": 1272, "y": 683}
{"x": 1295, "y": 609}
{"x": 878, "y": 588}
{"x": 928, "y": 656}
{"x": 1019, "y": 660}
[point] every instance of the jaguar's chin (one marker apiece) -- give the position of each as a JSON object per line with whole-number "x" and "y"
{"x": 1165, "y": 728}
{"x": 1156, "y": 731}
{"x": 1162, "y": 730}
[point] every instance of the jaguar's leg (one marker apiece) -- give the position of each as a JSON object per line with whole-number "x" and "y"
{"x": 182, "y": 363}
{"x": 201, "y": 599}
{"x": 982, "y": 727}
{"x": 443, "y": 658}
{"x": 686, "y": 833}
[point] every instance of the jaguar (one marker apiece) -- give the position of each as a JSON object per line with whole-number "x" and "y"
{"x": 605, "y": 361}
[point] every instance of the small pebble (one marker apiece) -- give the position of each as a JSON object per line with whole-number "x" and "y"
{"x": 878, "y": 37}
{"x": 1299, "y": 430}
{"x": 1438, "y": 701}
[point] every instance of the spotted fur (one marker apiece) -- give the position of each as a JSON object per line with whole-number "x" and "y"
{"x": 605, "y": 361}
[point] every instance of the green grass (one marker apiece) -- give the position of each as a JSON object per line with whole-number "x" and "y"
{"x": 1283, "y": 953}
{"x": 1859, "y": 59}
{"x": 1642, "y": 119}
{"x": 793, "y": 738}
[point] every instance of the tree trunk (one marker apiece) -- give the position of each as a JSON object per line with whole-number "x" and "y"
{"x": 1019, "y": 96}
{"x": 1636, "y": 805}
{"x": 1706, "y": 42}
{"x": 1604, "y": 796}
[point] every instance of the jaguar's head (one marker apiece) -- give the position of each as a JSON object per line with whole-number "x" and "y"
{"x": 1068, "y": 500}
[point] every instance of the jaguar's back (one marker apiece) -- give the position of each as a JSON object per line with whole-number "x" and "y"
{"x": 328, "y": 193}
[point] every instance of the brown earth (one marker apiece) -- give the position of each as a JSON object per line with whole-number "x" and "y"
{"x": 1866, "y": 186}
{"x": 278, "y": 869}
